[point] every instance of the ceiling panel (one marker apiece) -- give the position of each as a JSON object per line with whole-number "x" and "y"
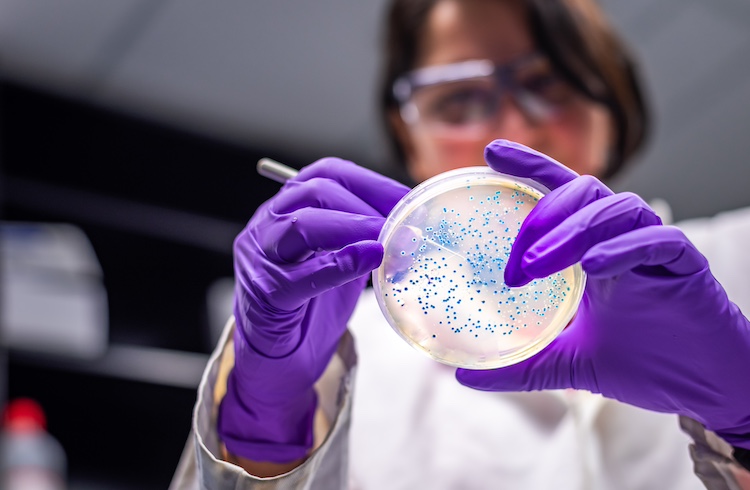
{"x": 63, "y": 45}
{"x": 283, "y": 72}
{"x": 689, "y": 47}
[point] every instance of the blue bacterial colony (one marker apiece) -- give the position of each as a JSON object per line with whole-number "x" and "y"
{"x": 442, "y": 279}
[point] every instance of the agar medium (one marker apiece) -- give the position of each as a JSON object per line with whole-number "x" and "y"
{"x": 441, "y": 286}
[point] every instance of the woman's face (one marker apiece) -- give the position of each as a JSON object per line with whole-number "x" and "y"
{"x": 577, "y": 135}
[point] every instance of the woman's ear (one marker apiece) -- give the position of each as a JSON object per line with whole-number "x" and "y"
{"x": 403, "y": 135}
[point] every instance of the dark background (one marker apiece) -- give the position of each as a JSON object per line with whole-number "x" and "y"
{"x": 66, "y": 161}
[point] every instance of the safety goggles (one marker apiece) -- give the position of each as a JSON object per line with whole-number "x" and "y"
{"x": 465, "y": 98}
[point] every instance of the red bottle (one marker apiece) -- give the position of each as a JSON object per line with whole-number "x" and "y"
{"x": 30, "y": 457}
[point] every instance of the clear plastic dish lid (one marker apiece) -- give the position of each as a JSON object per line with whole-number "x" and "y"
{"x": 441, "y": 285}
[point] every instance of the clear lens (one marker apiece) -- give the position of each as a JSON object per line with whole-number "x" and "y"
{"x": 458, "y": 103}
{"x": 537, "y": 77}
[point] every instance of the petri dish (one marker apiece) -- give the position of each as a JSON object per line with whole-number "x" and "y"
{"x": 441, "y": 286}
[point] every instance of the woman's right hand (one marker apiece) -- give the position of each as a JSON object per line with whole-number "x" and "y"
{"x": 300, "y": 265}
{"x": 654, "y": 328}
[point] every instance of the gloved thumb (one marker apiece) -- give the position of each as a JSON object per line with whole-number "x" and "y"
{"x": 550, "y": 369}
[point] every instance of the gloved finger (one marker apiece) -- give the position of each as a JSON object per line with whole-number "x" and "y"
{"x": 289, "y": 286}
{"x": 551, "y": 210}
{"x": 550, "y": 369}
{"x": 516, "y": 159}
{"x": 319, "y": 193}
{"x": 664, "y": 246}
{"x": 379, "y": 191}
{"x": 294, "y": 237}
{"x": 600, "y": 221}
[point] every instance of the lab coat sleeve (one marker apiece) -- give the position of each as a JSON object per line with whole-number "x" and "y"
{"x": 713, "y": 459}
{"x": 201, "y": 465}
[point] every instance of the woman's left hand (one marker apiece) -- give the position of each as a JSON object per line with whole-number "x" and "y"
{"x": 654, "y": 328}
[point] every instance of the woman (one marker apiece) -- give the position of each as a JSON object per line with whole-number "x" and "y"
{"x": 278, "y": 399}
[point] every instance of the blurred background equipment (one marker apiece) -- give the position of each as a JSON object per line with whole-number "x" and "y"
{"x": 51, "y": 290}
{"x": 137, "y": 125}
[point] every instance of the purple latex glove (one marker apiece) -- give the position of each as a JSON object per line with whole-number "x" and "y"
{"x": 300, "y": 265}
{"x": 654, "y": 328}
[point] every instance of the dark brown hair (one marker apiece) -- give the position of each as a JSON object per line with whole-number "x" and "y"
{"x": 582, "y": 46}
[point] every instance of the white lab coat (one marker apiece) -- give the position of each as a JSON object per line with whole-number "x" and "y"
{"x": 408, "y": 424}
